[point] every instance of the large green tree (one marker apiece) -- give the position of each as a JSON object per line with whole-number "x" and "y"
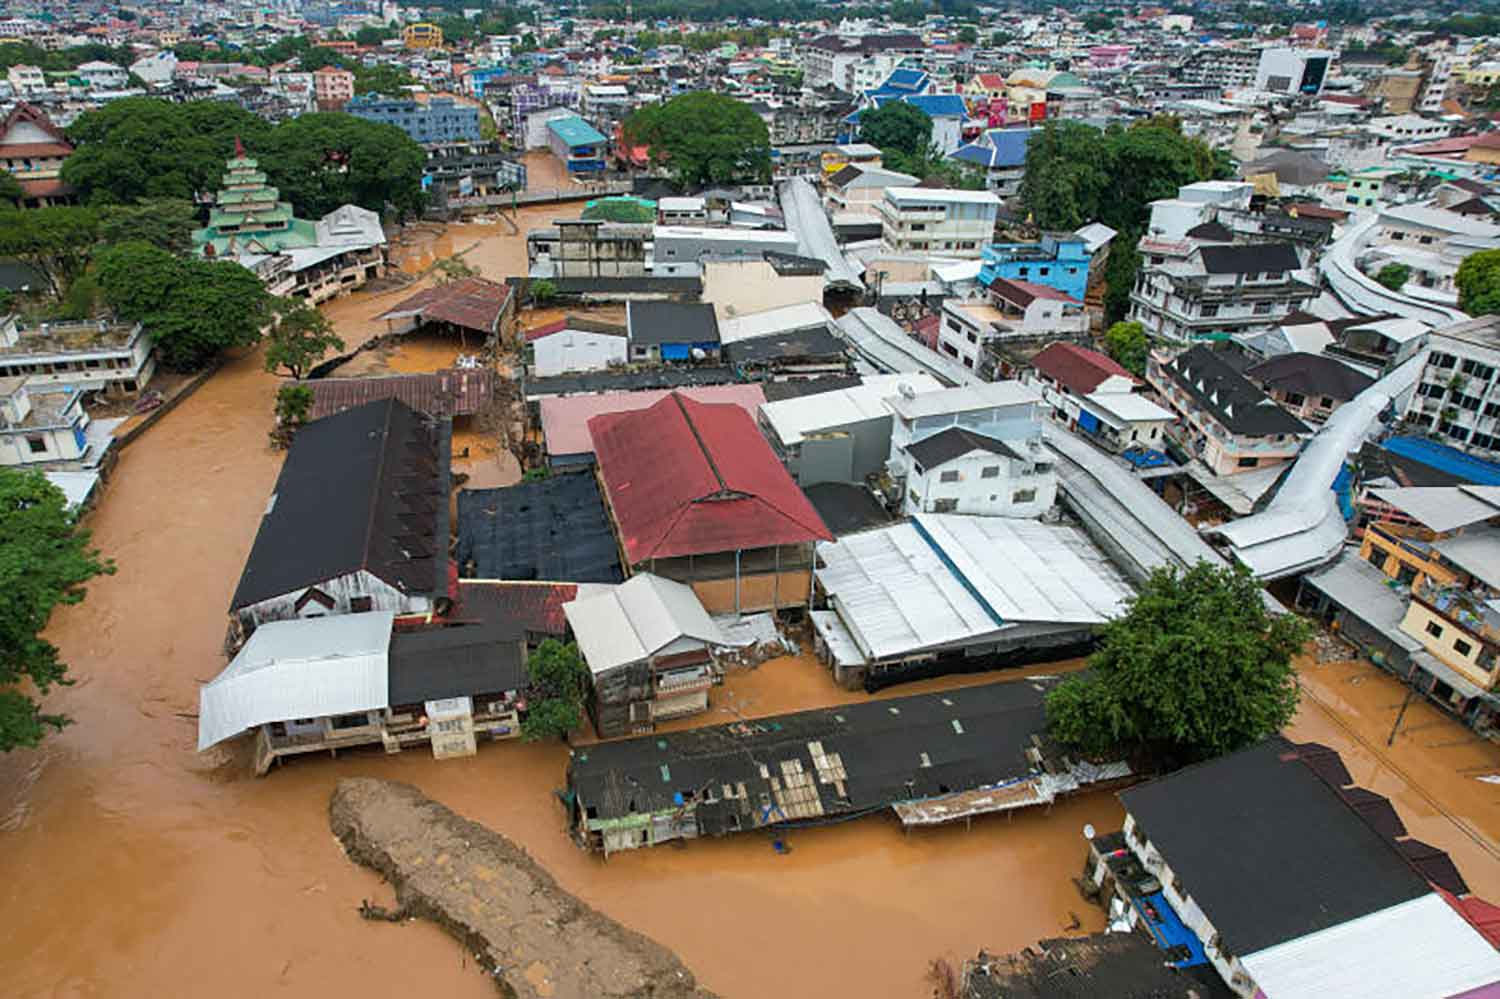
{"x": 193, "y": 309}
{"x": 559, "y": 682}
{"x": 897, "y": 127}
{"x": 1196, "y": 667}
{"x": 11, "y": 191}
{"x": 45, "y": 560}
{"x": 166, "y": 223}
{"x": 56, "y": 241}
{"x": 1126, "y": 342}
{"x": 1478, "y": 281}
{"x": 322, "y": 161}
{"x": 300, "y": 339}
{"x": 704, "y": 138}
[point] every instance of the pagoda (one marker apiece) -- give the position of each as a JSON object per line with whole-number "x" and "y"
{"x": 248, "y": 218}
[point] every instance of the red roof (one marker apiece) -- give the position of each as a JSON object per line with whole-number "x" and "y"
{"x": 535, "y": 607}
{"x": 24, "y": 112}
{"x": 34, "y": 150}
{"x": 450, "y": 392}
{"x": 991, "y": 81}
{"x": 1077, "y": 369}
{"x": 474, "y": 303}
{"x": 694, "y": 478}
{"x": 537, "y": 332}
{"x": 1023, "y": 293}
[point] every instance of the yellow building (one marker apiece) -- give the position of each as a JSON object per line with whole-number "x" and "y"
{"x": 422, "y": 36}
{"x": 1404, "y": 554}
{"x": 1457, "y": 628}
{"x": 856, "y": 153}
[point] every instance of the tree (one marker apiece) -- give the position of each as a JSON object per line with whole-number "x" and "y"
{"x": 45, "y": 560}
{"x": 1098, "y": 22}
{"x": 193, "y": 309}
{"x": 968, "y": 34}
{"x": 896, "y": 127}
{"x": 703, "y": 138}
{"x": 293, "y": 404}
{"x": 381, "y": 79}
{"x": 322, "y": 161}
{"x": 559, "y": 682}
{"x": 10, "y": 188}
{"x": 1394, "y": 276}
{"x": 1126, "y": 342}
{"x": 56, "y": 241}
{"x": 1478, "y": 281}
{"x": 166, "y": 223}
{"x": 542, "y": 292}
{"x": 454, "y": 268}
{"x": 1195, "y": 668}
{"x": 300, "y": 340}
{"x": 371, "y": 36}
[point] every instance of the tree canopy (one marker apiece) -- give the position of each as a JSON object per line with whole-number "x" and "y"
{"x": 1195, "y": 668}
{"x": 704, "y": 138}
{"x": 559, "y": 682}
{"x": 10, "y": 188}
{"x": 1393, "y": 276}
{"x": 166, "y": 223}
{"x": 322, "y": 161}
{"x": 45, "y": 560}
{"x": 1478, "y": 281}
{"x": 896, "y": 127}
{"x": 299, "y": 340}
{"x": 1126, "y": 342}
{"x": 193, "y": 309}
{"x": 56, "y": 241}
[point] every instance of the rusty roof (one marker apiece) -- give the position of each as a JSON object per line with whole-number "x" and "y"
{"x": 474, "y": 303}
{"x": 450, "y": 392}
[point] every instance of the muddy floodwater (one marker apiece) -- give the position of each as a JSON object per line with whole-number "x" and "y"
{"x": 136, "y": 867}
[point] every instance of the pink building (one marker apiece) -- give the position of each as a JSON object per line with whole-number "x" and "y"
{"x": 332, "y": 87}
{"x": 1109, "y": 56}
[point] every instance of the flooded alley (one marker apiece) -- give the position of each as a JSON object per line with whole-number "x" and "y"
{"x": 137, "y": 867}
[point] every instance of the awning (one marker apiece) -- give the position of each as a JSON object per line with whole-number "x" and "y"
{"x": 1432, "y": 665}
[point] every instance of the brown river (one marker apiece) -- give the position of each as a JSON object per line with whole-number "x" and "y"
{"x": 136, "y": 867}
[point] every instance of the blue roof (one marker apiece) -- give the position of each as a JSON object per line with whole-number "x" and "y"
{"x": 1446, "y": 459}
{"x": 939, "y": 105}
{"x": 901, "y": 81}
{"x": 998, "y": 147}
{"x": 575, "y": 131}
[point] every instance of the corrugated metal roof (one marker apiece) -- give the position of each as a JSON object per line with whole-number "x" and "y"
{"x": 792, "y": 419}
{"x": 304, "y": 668}
{"x": 452, "y": 392}
{"x": 638, "y": 618}
{"x": 802, "y": 315}
{"x": 565, "y": 418}
{"x": 474, "y": 303}
{"x": 1439, "y": 508}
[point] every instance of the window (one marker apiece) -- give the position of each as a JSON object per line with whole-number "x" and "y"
{"x": 1023, "y": 496}
{"x": 950, "y": 476}
{"x": 1248, "y": 462}
{"x": 1434, "y": 629}
{"x": 1398, "y": 235}
{"x": 1438, "y": 360}
{"x": 359, "y": 605}
{"x": 357, "y": 720}
{"x": 1295, "y": 398}
{"x": 990, "y": 472}
{"x": 37, "y": 443}
{"x": 1468, "y": 402}
{"x": 1462, "y": 647}
{"x": 1377, "y": 558}
{"x": 944, "y": 505}
{"x": 1326, "y": 402}
{"x": 1209, "y": 311}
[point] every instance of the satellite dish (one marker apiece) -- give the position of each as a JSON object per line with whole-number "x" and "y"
{"x": 1088, "y": 830}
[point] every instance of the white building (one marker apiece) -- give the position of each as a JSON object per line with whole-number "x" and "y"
{"x": 1457, "y": 398}
{"x": 1404, "y": 129}
{"x": 26, "y": 80}
{"x": 935, "y": 220}
{"x": 40, "y": 424}
{"x": 158, "y": 67}
{"x": 1292, "y": 71}
{"x": 854, "y": 192}
{"x": 1231, "y": 289}
{"x": 101, "y": 75}
{"x": 114, "y": 358}
{"x": 574, "y": 344}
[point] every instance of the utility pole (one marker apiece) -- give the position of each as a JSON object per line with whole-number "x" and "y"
{"x": 1411, "y": 691}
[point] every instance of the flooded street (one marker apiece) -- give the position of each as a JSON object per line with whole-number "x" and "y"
{"x": 136, "y": 867}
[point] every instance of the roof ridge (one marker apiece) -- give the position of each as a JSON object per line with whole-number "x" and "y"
{"x": 712, "y": 465}
{"x": 364, "y": 555}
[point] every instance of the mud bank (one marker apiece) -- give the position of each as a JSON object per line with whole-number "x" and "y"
{"x": 534, "y": 938}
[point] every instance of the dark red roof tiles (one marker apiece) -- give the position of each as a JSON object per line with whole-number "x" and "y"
{"x": 1077, "y": 369}
{"x": 474, "y": 303}
{"x": 451, "y": 392}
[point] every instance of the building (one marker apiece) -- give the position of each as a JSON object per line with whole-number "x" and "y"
{"x": 32, "y": 150}
{"x": 793, "y": 341}
{"x": 113, "y": 359}
{"x": 1270, "y": 866}
{"x": 838, "y": 436}
{"x": 575, "y": 344}
{"x": 1060, "y": 262}
{"x": 26, "y": 81}
{"x": 332, "y": 87}
{"x": 1309, "y": 386}
{"x": 470, "y": 307}
{"x": 452, "y": 392}
{"x": 40, "y": 424}
{"x": 438, "y": 121}
{"x": 1297, "y": 72}
{"x": 649, "y": 646}
{"x": 1456, "y": 398}
{"x": 99, "y": 75}
{"x": 681, "y": 251}
{"x": 829, "y": 60}
{"x": 1220, "y": 289}
{"x": 588, "y": 249}
{"x": 739, "y": 288}
{"x": 939, "y": 221}
{"x": 672, "y": 331}
{"x": 564, "y": 417}
{"x": 941, "y": 593}
{"x": 1224, "y": 420}
{"x": 855, "y": 192}
{"x": 1090, "y": 394}
{"x": 697, "y": 495}
{"x": 1371, "y": 187}
{"x": 581, "y": 147}
{"x": 1430, "y": 241}
{"x": 358, "y": 521}
{"x": 1001, "y": 154}
{"x": 961, "y": 471}
{"x": 422, "y": 35}
{"x": 453, "y": 175}
{"x": 543, "y": 530}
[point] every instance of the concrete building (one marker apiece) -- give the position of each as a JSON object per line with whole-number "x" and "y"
{"x": 1298, "y": 72}
{"x": 333, "y": 87}
{"x": 575, "y": 344}
{"x": 437, "y": 121}
{"x": 33, "y": 150}
{"x": 114, "y": 359}
{"x": 41, "y": 424}
{"x": 939, "y": 221}
{"x": 854, "y": 193}
{"x": 680, "y": 251}
{"x": 100, "y": 75}
{"x": 1060, "y": 262}
{"x": 580, "y": 146}
{"x": 1456, "y": 399}
{"x": 1090, "y": 394}
{"x": 1220, "y": 289}
{"x": 961, "y": 471}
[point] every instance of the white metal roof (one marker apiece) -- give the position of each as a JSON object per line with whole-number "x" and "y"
{"x": 1440, "y": 508}
{"x": 943, "y": 579}
{"x": 302, "y": 668}
{"x": 942, "y": 195}
{"x": 1420, "y": 949}
{"x": 680, "y": 204}
{"x": 1476, "y": 551}
{"x": 877, "y": 339}
{"x": 636, "y": 619}
{"x": 1128, "y": 406}
{"x": 982, "y": 395}
{"x": 793, "y": 419}
{"x": 768, "y": 322}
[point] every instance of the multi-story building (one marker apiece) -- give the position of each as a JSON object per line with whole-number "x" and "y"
{"x": 854, "y": 193}
{"x": 1430, "y": 241}
{"x": 32, "y": 150}
{"x": 112, "y": 358}
{"x": 1299, "y": 72}
{"x": 40, "y": 424}
{"x": 1406, "y": 129}
{"x": 453, "y": 173}
{"x": 1225, "y": 421}
{"x": 830, "y": 59}
{"x": 1013, "y": 310}
{"x": 1220, "y": 68}
{"x": 1219, "y": 289}
{"x": 935, "y": 220}
{"x": 333, "y": 87}
{"x": 422, "y": 36}
{"x": 438, "y": 121}
{"x": 579, "y": 145}
{"x": 25, "y": 80}
{"x": 1060, "y": 262}
{"x": 1456, "y": 398}
{"x": 100, "y": 75}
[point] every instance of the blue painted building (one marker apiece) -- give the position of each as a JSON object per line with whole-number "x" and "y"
{"x": 578, "y": 144}
{"x": 438, "y": 121}
{"x": 1057, "y": 263}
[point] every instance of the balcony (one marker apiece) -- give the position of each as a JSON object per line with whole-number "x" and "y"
{"x": 1467, "y": 608}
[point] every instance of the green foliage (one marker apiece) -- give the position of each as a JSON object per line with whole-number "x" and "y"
{"x": 10, "y": 188}
{"x": 619, "y": 209}
{"x": 57, "y": 241}
{"x": 62, "y": 60}
{"x": 1000, "y": 39}
{"x": 704, "y": 138}
{"x": 1127, "y": 343}
{"x": 968, "y": 34}
{"x": 373, "y": 36}
{"x": 300, "y": 340}
{"x": 559, "y": 682}
{"x": 45, "y": 560}
{"x": 193, "y": 309}
{"x": 1119, "y": 277}
{"x": 1098, "y": 22}
{"x": 322, "y": 161}
{"x": 1478, "y": 282}
{"x": 1394, "y": 276}
{"x": 543, "y": 291}
{"x": 141, "y": 147}
{"x": 454, "y": 268}
{"x": 550, "y": 718}
{"x": 293, "y": 404}
{"x": 166, "y": 223}
{"x": 381, "y": 79}
{"x": 896, "y": 127}
{"x": 1196, "y": 667}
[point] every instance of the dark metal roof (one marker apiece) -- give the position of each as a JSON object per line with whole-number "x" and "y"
{"x": 796, "y": 388}
{"x": 671, "y": 322}
{"x": 552, "y": 529}
{"x": 1231, "y": 398}
{"x": 533, "y": 607}
{"x": 628, "y": 381}
{"x": 1267, "y": 849}
{"x": 1250, "y": 258}
{"x": 955, "y": 442}
{"x": 474, "y": 303}
{"x": 794, "y": 265}
{"x": 846, "y": 507}
{"x": 364, "y": 489}
{"x": 1099, "y": 966}
{"x": 1214, "y": 231}
{"x": 970, "y": 737}
{"x": 794, "y": 345}
{"x": 1311, "y": 374}
{"x": 455, "y": 661}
